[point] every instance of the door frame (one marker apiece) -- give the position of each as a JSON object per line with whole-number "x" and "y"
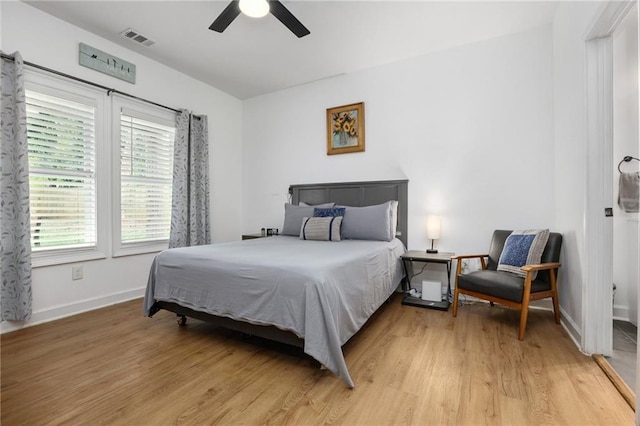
{"x": 597, "y": 309}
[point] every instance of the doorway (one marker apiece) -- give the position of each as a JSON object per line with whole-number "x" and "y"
{"x": 625, "y": 219}
{"x": 598, "y": 291}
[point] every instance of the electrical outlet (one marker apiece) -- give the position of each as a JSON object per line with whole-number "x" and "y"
{"x": 76, "y": 273}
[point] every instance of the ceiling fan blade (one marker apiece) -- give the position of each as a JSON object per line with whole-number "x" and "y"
{"x": 278, "y": 10}
{"x": 227, "y": 16}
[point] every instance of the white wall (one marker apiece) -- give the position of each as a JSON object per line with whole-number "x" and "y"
{"x": 50, "y": 42}
{"x": 471, "y": 128}
{"x": 625, "y": 142}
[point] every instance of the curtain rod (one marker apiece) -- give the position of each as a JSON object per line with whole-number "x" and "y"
{"x": 91, "y": 83}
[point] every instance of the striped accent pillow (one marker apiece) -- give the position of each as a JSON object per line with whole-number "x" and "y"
{"x": 321, "y": 228}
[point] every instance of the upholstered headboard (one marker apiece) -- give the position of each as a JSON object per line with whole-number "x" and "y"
{"x": 358, "y": 194}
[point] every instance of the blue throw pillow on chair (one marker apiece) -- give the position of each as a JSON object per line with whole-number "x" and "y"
{"x": 523, "y": 248}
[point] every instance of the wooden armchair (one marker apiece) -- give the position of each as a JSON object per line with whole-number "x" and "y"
{"x": 507, "y": 288}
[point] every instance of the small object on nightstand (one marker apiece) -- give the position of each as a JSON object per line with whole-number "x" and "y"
{"x": 420, "y": 256}
{"x": 272, "y": 231}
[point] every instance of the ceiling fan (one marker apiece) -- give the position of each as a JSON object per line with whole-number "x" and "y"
{"x": 258, "y": 9}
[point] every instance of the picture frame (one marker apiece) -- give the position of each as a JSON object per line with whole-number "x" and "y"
{"x": 345, "y": 129}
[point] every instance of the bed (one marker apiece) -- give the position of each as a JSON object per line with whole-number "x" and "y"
{"x": 309, "y": 293}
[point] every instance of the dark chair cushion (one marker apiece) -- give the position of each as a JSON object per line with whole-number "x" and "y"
{"x": 499, "y": 284}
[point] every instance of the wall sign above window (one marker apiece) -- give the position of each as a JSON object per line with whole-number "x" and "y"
{"x": 100, "y": 61}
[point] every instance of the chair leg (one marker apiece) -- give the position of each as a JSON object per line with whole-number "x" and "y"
{"x": 556, "y": 309}
{"x": 524, "y": 313}
{"x": 524, "y": 309}
{"x": 554, "y": 298}
{"x": 455, "y": 290}
{"x": 455, "y": 302}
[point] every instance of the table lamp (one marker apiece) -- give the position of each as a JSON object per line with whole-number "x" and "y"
{"x": 433, "y": 230}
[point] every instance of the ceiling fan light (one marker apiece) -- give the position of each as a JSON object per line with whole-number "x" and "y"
{"x": 254, "y": 8}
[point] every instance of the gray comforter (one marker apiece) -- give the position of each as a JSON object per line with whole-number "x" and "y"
{"x": 321, "y": 291}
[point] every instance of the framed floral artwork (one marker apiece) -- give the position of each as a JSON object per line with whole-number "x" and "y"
{"x": 345, "y": 129}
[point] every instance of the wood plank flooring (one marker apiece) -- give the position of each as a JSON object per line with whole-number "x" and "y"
{"x": 411, "y": 366}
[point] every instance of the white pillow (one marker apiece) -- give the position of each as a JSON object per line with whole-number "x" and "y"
{"x": 394, "y": 218}
{"x": 293, "y": 217}
{"x": 370, "y": 222}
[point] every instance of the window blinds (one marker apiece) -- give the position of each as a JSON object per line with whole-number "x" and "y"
{"x": 146, "y": 172}
{"x": 62, "y": 142}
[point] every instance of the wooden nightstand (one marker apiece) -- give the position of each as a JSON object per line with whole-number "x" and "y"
{"x": 420, "y": 256}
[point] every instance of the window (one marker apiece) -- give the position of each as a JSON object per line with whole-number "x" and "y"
{"x": 61, "y": 133}
{"x": 146, "y": 172}
{"x": 93, "y": 186}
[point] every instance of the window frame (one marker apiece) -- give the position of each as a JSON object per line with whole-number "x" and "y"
{"x": 142, "y": 111}
{"x": 37, "y": 81}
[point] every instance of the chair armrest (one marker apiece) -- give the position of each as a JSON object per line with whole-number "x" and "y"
{"x": 541, "y": 266}
{"x": 468, "y": 256}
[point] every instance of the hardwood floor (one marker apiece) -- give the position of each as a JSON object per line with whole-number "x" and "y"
{"x": 411, "y": 366}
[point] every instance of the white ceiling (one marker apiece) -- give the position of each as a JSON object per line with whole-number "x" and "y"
{"x": 257, "y": 56}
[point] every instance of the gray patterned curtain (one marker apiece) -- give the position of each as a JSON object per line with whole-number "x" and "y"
{"x": 190, "y": 201}
{"x": 15, "y": 225}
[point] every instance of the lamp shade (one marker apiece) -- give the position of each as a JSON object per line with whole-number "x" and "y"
{"x": 433, "y": 227}
{"x": 254, "y": 8}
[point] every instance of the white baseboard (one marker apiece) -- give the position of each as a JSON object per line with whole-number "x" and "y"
{"x": 571, "y": 328}
{"x": 621, "y": 312}
{"x": 62, "y": 311}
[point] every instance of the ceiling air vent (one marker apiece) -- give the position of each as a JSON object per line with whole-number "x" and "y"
{"x": 134, "y": 35}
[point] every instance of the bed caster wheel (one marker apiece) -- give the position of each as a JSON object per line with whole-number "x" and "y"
{"x": 182, "y": 320}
